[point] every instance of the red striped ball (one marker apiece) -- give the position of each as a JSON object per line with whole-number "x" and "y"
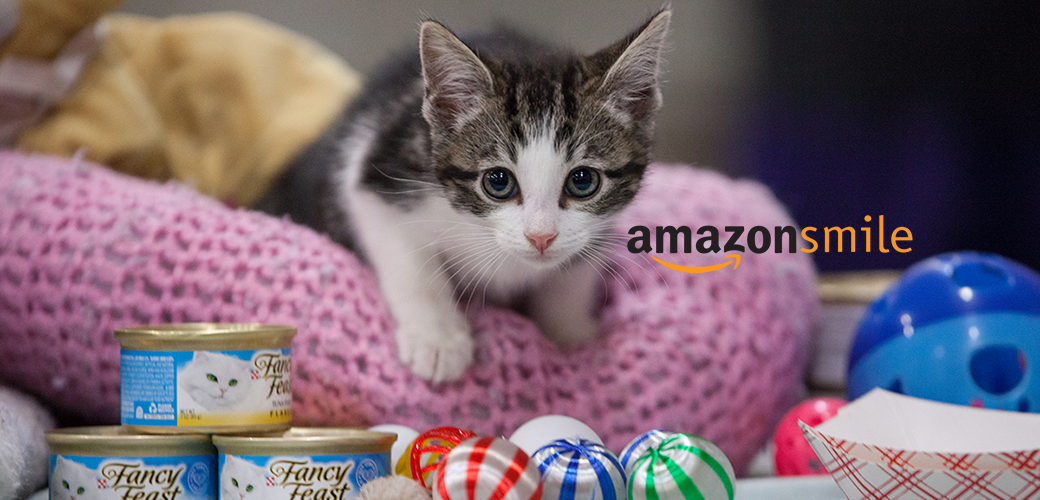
{"x": 487, "y": 468}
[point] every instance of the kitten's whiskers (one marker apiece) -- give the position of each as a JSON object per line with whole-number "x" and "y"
{"x": 409, "y": 191}
{"x": 473, "y": 272}
{"x": 599, "y": 262}
{"x": 402, "y": 179}
{"x": 475, "y": 281}
{"x": 463, "y": 264}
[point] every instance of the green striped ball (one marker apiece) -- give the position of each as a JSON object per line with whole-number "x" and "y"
{"x": 680, "y": 466}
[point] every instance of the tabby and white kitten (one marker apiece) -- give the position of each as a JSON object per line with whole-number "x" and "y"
{"x": 485, "y": 169}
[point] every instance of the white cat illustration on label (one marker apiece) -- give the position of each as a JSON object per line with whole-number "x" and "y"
{"x": 205, "y": 377}
{"x": 114, "y": 463}
{"x": 127, "y": 480}
{"x": 301, "y": 463}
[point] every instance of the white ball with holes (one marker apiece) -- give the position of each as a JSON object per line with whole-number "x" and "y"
{"x": 540, "y": 431}
{"x": 405, "y": 436}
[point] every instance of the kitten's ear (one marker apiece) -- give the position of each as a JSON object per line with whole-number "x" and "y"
{"x": 455, "y": 78}
{"x": 631, "y": 82}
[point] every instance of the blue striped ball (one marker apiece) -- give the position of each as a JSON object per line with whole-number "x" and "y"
{"x": 580, "y": 469}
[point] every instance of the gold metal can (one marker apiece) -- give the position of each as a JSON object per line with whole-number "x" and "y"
{"x": 88, "y": 461}
{"x": 206, "y": 377}
{"x": 331, "y": 463}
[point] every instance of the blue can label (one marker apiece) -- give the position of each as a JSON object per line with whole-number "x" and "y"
{"x": 138, "y": 478}
{"x": 205, "y": 388}
{"x": 320, "y": 477}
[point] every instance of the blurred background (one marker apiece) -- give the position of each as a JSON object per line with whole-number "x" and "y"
{"x": 926, "y": 112}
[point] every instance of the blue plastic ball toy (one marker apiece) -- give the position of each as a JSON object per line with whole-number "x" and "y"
{"x": 960, "y": 327}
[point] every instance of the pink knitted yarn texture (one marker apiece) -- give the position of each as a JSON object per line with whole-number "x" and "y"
{"x": 84, "y": 250}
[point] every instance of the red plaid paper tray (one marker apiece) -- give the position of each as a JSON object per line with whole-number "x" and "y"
{"x": 889, "y": 446}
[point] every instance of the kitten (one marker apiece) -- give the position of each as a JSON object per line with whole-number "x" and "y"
{"x": 217, "y": 382}
{"x": 241, "y": 480}
{"x": 488, "y": 169}
{"x": 73, "y": 481}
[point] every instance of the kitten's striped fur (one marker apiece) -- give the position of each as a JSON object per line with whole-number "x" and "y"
{"x": 410, "y": 179}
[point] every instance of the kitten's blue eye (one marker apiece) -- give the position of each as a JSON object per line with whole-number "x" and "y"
{"x": 211, "y": 377}
{"x": 582, "y": 182}
{"x": 499, "y": 184}
{"x": 233, "y": 382}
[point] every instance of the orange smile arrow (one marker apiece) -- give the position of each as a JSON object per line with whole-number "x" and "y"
{"x": 735, "y": 260}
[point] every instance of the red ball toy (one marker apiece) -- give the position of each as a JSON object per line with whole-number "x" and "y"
{"x": 431, "y": 447}
{"x": 792, "y": 454}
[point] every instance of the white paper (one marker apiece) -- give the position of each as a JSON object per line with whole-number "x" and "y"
{"x": 883, "y": 418}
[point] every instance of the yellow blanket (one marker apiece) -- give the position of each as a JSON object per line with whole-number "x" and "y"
{"x": 220, "y": 101}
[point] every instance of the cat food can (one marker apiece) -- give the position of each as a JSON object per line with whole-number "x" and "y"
{"x": 302, "y": 464}
{"x": 206, "y": 377}
{"x": 116, "y": 463}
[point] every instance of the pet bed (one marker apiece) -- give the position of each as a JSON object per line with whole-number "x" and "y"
{"x": 84, "y": 250}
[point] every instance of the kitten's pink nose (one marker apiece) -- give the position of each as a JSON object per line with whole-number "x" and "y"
{"x": 541, "y": 241}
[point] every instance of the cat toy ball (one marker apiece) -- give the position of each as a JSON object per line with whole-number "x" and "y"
{"x": 431, "y": 447}
{"x": 681, "y": 466}
{"x": 399, "y": 455}
{"x": 540, "y": 431}
{"x": 486, "y": 468}
{"x": 792, "y": 454}
{"x": 638, "y": 446}
{"x": 577, "y": 468}
{"x": 961, "y": 327}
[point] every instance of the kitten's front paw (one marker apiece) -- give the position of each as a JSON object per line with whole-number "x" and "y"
{"x": 438, "y": 351}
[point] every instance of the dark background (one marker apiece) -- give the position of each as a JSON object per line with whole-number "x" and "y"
{"x": 925, "y": 112}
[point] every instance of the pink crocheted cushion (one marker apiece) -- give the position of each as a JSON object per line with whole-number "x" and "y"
{"x": 84, "y": 250}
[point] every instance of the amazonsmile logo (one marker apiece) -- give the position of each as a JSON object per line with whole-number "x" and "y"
{"x": 759, "y": 239}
